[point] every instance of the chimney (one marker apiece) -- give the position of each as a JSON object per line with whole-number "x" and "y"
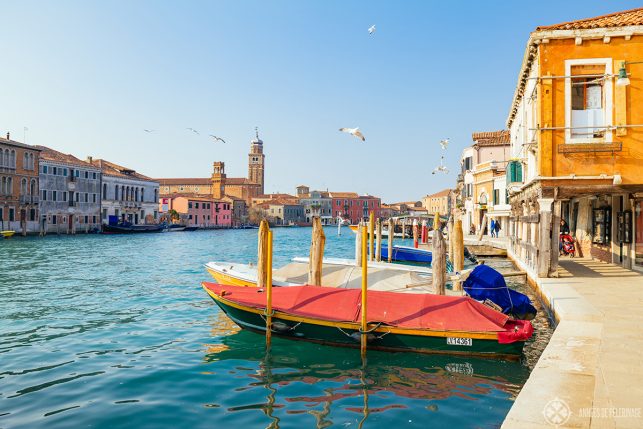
{"x": 90, "y": 159}
{"x": 8, "y": 135}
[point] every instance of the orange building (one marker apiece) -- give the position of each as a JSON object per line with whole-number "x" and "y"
{"x": 439, "y": 202}
{"x": 576, "y": 126}
{"x": 19, "y": 166}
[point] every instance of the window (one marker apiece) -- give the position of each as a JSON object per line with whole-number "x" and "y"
{"x": 65, "y": 172}
{"x": 104, "y": 196}
{"x": 32, "y": 215}
{"x": 54, "y": 197}
{"x": 93, "y": 219}
{"x": 94, "y": 198}
{"x": 44, "y": 169}
{"x": 86, "y": 197}
{"x": 86, "y": 174}
{"x": 86, "y": 219}
{"x": 94, "y": 176}
{"x": 64, "y": 196}
{"x": 196, "y": 205}
{"x": 104, "y": 214}
{"x": 77, "y": 172}
{"x": 55, "y": 172}
{"x": 496, "y": 196}
{"x": 588, "y": 98}
{"x": 190, "y": 206}
{"x": 44, "y": 195}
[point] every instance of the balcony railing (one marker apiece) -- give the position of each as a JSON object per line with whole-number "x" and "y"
{"x": 29, "y": 199}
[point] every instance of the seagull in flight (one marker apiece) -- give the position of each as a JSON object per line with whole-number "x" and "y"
{"x": 371, "y": 30}
{"x": 441, "y": 168}
{"x": 217, "y": 139}
{"x": 354, "y": 131}
{"x": 193, "y": 130}
{"x": 148, "y": 131}
{"x": 444, "y": 143}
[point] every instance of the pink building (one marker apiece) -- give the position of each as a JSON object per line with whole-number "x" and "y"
{"x": 202, "y": 211}
{"x": 354, "y": 207}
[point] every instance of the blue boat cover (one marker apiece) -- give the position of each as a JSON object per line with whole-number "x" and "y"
{"x": 486, "y": 283}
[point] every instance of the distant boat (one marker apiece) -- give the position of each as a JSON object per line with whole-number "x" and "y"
{"x": 175, "y": 227}
{"x": 128, "y": 228}
{"x": 7, "y": 233}
{"x": 191, "y": 228}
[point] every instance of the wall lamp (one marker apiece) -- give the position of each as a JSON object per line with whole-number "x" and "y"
{"x": 623, "y": 80}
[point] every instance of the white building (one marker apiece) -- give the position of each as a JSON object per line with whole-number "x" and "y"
{"x": 466, "y": 161}
{"x": 126, "y": 194}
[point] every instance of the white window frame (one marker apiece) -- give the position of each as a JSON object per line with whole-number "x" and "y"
{"x": 608, "y": 95}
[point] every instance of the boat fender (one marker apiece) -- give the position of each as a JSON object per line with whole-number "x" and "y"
{"x": 280, "y": 327}
{"x": 357, "y": 337}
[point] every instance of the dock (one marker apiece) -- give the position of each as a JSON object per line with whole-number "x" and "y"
{"x": 591, "y": 372}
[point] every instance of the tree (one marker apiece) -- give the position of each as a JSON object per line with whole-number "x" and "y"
{"x": 256, "y": 215}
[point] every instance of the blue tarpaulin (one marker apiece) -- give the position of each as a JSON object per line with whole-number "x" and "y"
{"x": 486, "y": 283}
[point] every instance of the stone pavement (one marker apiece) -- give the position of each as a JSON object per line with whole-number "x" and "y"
{"x": 591, "y": 373}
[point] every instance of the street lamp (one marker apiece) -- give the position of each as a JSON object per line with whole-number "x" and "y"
{"x": 623, "y": 79}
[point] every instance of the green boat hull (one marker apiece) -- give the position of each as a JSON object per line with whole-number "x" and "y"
{"x": 380, "y": 338}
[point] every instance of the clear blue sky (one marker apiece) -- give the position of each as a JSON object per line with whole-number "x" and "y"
{"x": 86, "y": 77}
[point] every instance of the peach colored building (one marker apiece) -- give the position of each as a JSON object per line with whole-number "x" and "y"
{"x": 201, "y": 211}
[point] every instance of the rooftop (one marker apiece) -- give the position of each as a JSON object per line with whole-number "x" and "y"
{"x": 115, "y": 170}
{"x": 491, "y": 138}
{"x": 616, "y": 19}
{"x": 17, "y": 144}
{"x": 49, "y": 154}
{"x": 184, "y": 181}
{"x": 442, "y": 193}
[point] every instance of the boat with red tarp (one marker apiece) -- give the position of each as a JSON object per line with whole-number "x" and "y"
{"x": 423, "y": 323}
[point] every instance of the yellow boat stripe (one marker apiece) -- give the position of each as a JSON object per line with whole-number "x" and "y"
{"x": 355, "y": 326}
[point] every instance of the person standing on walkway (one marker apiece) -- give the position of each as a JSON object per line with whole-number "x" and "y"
{"x": 492, "y": 228}
{"x": 497, "y": 228}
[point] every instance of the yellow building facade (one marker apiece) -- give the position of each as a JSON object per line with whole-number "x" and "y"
{"x": 576, "y": 126}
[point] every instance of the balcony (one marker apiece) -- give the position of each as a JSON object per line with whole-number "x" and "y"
{"x": 29, "y": 200}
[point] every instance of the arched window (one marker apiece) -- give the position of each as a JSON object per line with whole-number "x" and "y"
{"x": 116, "y": 192}
{"x": 7, "y": 158}
{"x": 32, "y": 165}
{"x": 25, "y": 161}
{"x": 142, "y": 194}
{"x": 1, "y": 158}
{"x": 483, "y": 199}
{"x": 127, "y": 194}
{"x": 23, "y": 186}
{"x": 104, "y": 196}
{"x": 136, "y": 196}
{"x": 10, "y": 185}
{"x": 32, "y": 188}
{"x": 3, "y": 186}
{"x": 122, "y": 193}
{"x": 13, "y": 159}
{"x": 131, "y": 194}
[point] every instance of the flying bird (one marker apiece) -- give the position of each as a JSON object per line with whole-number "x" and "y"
{"x": 444, "y": 143}
{"x": 193, "y": 130}
{"x": 354, "y": 131}
{"x": 441, "y": 168}
{"x": 217, "y": 139}
{"x": 148, "y": 131}
{"x": 371, "y": 29}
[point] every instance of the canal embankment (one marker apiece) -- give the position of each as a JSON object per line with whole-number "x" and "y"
{"x": 591, "y": 372}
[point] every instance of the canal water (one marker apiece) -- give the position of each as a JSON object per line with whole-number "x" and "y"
{"x": 115, "y": 331}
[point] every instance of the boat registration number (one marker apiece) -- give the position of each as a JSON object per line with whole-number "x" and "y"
{"x": 453, "y": 341}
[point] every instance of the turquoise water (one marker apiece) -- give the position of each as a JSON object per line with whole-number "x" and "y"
{"x": 115, "y": 331}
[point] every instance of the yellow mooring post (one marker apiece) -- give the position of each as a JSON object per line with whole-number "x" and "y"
{"x": 371, "y": 231}
{"x": 316, "y": 255}
{"x": 391, "y": 234}
{"x": 436, "y": 222}
{"x": 364, "y": 293}
{"x": 458, "y": 252}
{"x": 262, "y": 249}
{"x": 269, "y": 291}
{"x": 378, "y": 245}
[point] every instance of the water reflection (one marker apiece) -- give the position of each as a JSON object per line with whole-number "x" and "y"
{"x": 331, "y": 385}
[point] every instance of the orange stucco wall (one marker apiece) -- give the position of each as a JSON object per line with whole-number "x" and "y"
{"x": 627, "y": 162}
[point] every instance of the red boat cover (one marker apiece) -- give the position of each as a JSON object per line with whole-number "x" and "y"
{"x": 407, "y": 310}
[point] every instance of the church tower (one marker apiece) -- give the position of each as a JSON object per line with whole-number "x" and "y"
{"x": 218, "y": 180}
{"x": 256, "y": 160}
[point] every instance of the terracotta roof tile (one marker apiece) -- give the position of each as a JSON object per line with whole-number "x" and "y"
{"x": 442, "y": 193}
{"x": 343, "y": 194}
{"x": 115, "y": 170}
{"x": 48, "y": 154}
{"x": 492, "y": 138}
{"x": 17, "y": 144}
{"x": 184, "y": 181}
{"x": 616, "y": 19}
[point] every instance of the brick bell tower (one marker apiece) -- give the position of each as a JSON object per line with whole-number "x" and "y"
{"x": 218, "y": 180}
{"x": 256, "y": 161}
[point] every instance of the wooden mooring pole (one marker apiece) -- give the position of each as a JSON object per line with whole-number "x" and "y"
{"x": 458, "y": 252}
{"x": 262, "y": 252}
{"x": 415, "y": 233}
{"x": 378, "y": 245}
{"x": 391, "y": 235}
{"x": 358, "y": 245}
{"x": 371, "y": 236}
{"x": 451, "y": 239}
{"x": 439, "y": 263}
{"x": 316, "y": 257}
